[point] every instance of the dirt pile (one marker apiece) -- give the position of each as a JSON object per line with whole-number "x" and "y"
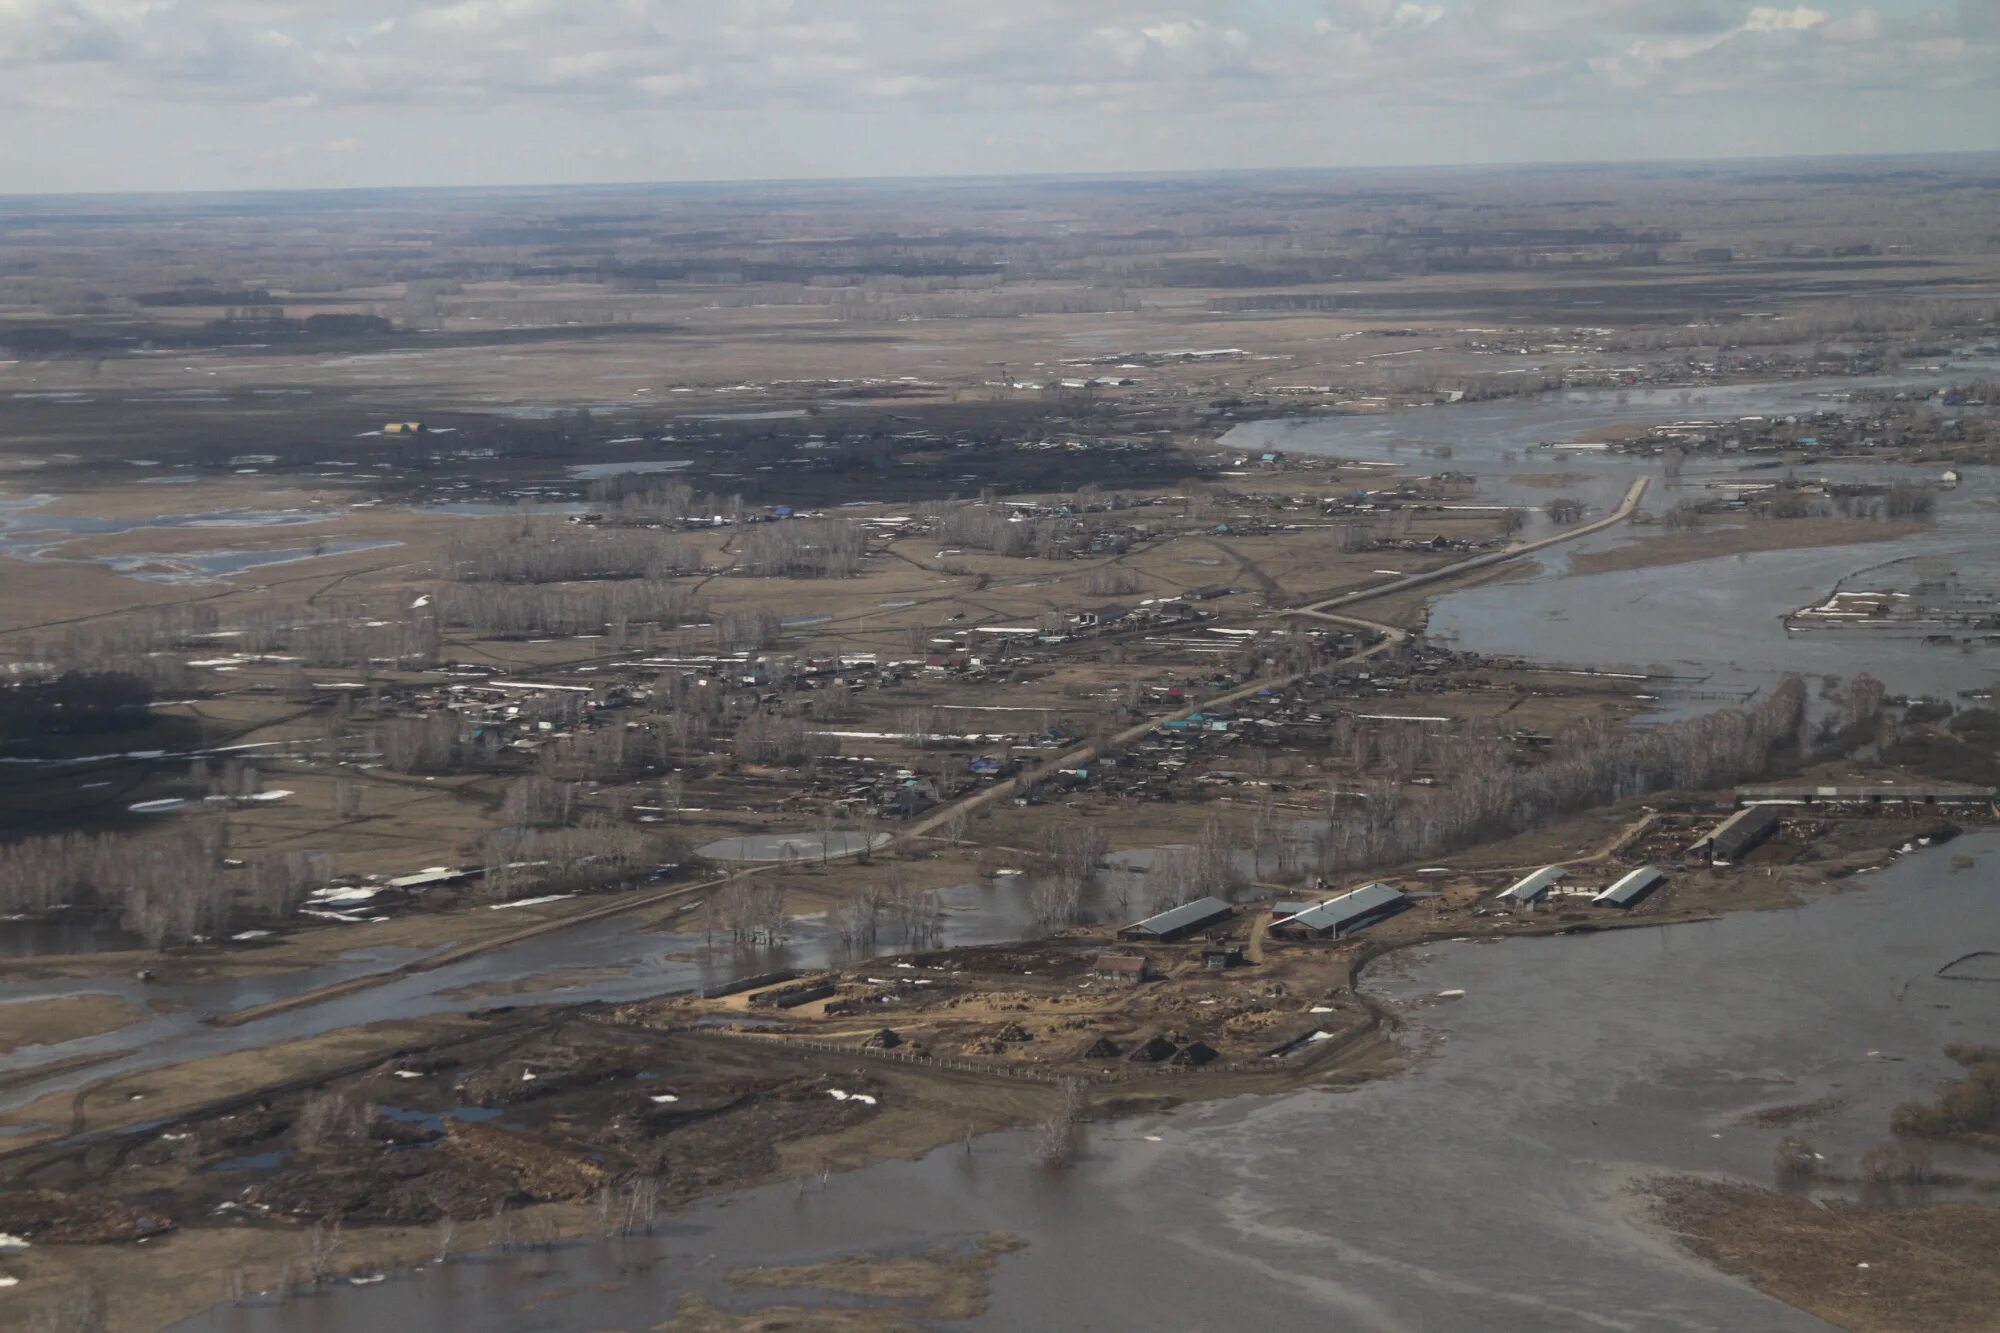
{"x": 540, "y": 1170}
{"x": 52, "y": 1217}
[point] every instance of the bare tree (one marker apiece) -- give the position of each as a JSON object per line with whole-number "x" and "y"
{"x": 321, "y": 1244}
{"x": 80, "y": 1309}
{"x": 1060, "y": 1134}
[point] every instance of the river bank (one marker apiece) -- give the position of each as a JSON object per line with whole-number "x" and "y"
{"x": 1571, "y": 1069}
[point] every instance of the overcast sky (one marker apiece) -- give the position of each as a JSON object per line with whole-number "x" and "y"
{"x": 221, "y": 94}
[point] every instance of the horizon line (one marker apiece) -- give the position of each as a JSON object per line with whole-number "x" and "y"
{"x": 1164, "y": 173}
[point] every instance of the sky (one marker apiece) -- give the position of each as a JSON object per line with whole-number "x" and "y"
{"x": 111, "y": 95}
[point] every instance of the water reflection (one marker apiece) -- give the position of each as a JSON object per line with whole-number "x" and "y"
{"x": 1485, "y": 1188}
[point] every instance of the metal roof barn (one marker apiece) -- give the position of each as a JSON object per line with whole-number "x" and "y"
{"x": 1934, "y": 794}
{"x": 1176, "y": 922}
{"x": 1532, "y": 888}
{"x": 1738, "y": 834}
{"x": 1632, "y": 887}
{"x": 1337, "y": 916}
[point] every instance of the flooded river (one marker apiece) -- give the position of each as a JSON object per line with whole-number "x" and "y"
{"x": 1488, "y": 1187}
{"x": 1485, "y": 1188}
{"x": 1720, "y": 621}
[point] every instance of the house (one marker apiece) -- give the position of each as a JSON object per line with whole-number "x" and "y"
{"x": 910, "y": 797}
{"x": 1125, "y": 968}
{"x": 1342, "y": 915}
{"x": 1632, "y": 887}
{"x": 1178, "y": 922}
{"x": 403, "y": 428}
{"x": 1222, "y": 958}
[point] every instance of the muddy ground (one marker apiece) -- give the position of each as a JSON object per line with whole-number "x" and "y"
{"x": 1891, "y": 1269}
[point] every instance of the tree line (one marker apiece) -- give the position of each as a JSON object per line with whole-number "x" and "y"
{"x": 802, "y": 548}
{"x": 561, "y": 553}
{"x": 167, "y": 889}
{"x": 1597, "y": 763}
{"x": 514, "y": 611}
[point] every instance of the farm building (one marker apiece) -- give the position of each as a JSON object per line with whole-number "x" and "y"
{"x": 1178, "y": 922}
{"x": 1342, "y": 915}
{"x": 1632, "y": 887}
{"x": 1737, "y": 835}
{"x": 1127, "y": 968}
{"x": 1930, "y": 794}
{"x": 1532, "y": 888}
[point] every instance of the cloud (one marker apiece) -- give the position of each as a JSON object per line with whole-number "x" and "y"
{"x": 1125, "y": 71}
{"x": 1799, "y": 19}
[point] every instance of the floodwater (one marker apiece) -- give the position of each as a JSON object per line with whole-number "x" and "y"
{"x": 214, "y": 566}
{"x": 593, "y": 471}
{"x": 789, "y": 847}
{"x": 35, "y": 937}
{"x": 1723, "y": 620}
{"x": 1496, "y": 440}
{"x": 1488, "y": 1187}
{"x": 27, "y": 534}
{"x": 1718, "y": 621}
{"x": 640, "y": 964}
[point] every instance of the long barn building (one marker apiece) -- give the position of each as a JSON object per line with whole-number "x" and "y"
{"x": 1532, "y": 888}
{"x": 1632, "y": 887}
{"x": 1738, "y": 835}
{"x": 1178, "y": 923}
{"x": 1342, "y": 915}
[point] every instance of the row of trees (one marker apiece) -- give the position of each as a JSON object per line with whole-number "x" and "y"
{"x": 803, "y": 548}
{"x": 765, "y": 738}
{"x": 337, "y": 632}
{"x": 521, "y": 862}
{"x": 1828, "y": 322}
{"x": 502, "y": 610}
{"x": 1597, "y": 763}
{"x": 77, "y": 699}
{"x": 167, "y": 889}
{"x": 436, "y": 743}
{"x": 636, "y": 498}
{"x": 556, "y": 552}
{"x": 1001, "y": 529}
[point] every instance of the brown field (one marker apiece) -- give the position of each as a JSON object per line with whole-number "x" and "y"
{"x": 998, "y": 408}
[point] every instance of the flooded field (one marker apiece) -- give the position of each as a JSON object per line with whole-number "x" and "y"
{"x": 1488, "y": 1187}
{"x": 790, "y": 847}
{"x": 1719, "y": 621}
{"x": 1498, "y": 441}
{"x": 28, "y": 534}
{"x": 1724, "y": 619}
{"x": 33, "y": 937}
{"x": 624, "y": 963}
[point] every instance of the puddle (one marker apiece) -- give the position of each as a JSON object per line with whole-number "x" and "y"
{"x": 434, "y": 1120}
